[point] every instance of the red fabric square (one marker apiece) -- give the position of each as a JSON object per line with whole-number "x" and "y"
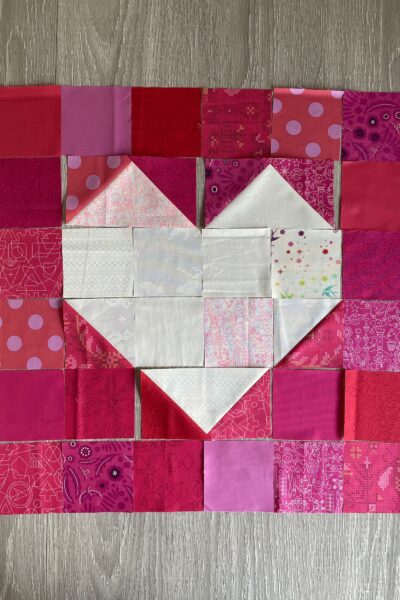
{"x": 372, "y": 401}
{"x": 369, "y": 198}
{"x": 166, "y": 121}
{"x": 30, "y": 121}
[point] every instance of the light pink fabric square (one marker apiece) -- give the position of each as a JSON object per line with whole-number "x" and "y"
{"x": 238, "y": 332}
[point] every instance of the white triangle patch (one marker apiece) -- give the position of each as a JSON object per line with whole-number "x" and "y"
{"x": 206, "y": 395}
{"x": 269, "y": 201}
{"x": 113, "y": 318}
{"x": 294, "y": 319}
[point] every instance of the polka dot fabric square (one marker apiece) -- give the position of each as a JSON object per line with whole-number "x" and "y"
{"x": 306, "y": 123}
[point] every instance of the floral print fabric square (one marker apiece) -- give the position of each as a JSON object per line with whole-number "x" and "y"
{"x": 306, "y": 264}
{"x": 306, "y": 123}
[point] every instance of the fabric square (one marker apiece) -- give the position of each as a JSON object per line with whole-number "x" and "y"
{"x": 32, "y": 405}
{"x": 31, "y": 478}
{"x": 371, "y": 265}
{"x": 97, "y": 263}
{"x": 31, "y": 263}
{"x": 169, "y": 332}
{"x": 236, "y": 122}
{"x": 238, "y": 476}
{"x": 31, "y": 334}
{"x": 166, "y": 121}
{"x": 167, "y": 262}
{"x": 238, "y": 332}
{"x": 306, "y": 263}
{"x": 371, "y": 125}
{"x": 30, "y": 192}
{"x": 98, "y": 476}
{"x": 306, "y": 123}
{"x": 308, "y": 477}
{"x": 372, "y": 335}
{"x": 307, "y": 405}
{"x": 168, "y": 476}
{"x": 30, "y": 121}
{"x": 371, "y": 478}
{"x": 228, "y": 180}
{"x": 95, "y": 120}
{"x": 369, "y": 197}
{"x": 236, "y": 263}
{"x": 99, "y": 403}
{"x": 372, "y": 406}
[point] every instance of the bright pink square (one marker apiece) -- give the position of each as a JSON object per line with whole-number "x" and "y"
{"x": 307, "y": 405}
{"x": 371, "y": 265}
{"x": 371, "y": 477}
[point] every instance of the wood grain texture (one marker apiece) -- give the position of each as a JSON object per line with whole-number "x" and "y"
{"x": 255, "y": 43}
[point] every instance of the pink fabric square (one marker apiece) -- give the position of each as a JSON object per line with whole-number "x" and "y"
{"x": 372, "y": 335}
{"x": 308, "y": 477}
{"x": 31, "y": 263}
{"x": 236, "y": 122}
{"x": 371, "y": 265}
{"x": 371, "y": 477}
{"x": 98, "y": 476}
{"x": 312, "y": 179}
{"x": 95, "y": 120}
{"x": 307, "y": 405}
{"x": 238, "y": 476}
{"x": 31, "y": 478}
{"x": 32, "y": 405}
{"x": 238, "y": 332}
{"x": 371, "y": 126}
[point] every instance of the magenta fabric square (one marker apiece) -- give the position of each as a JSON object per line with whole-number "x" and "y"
{"x": 371, "y": 477}
{"x": 371, "y": 126}
{"x": 371, "y": 265}
{"x": 372, "y": 335}
{"x": 98, "y": 476}
{"x": 307, "y": 404}
{"x": 308, "y": 477}
{"x": 30, "y": 192}
{"x": 32, "y": 405}
{"x": 95, "y": 120}
{"x": 238, "y": 476}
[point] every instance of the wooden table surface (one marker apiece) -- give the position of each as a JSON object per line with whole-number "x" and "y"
{"x": 305, "y": 43}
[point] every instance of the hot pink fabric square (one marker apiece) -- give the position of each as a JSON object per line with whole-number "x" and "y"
{"x": 226, "y": 178}
{"x": 309, "y": 477}
{"x": 371, "y": 265}
{"x": 236, "y": 122}
{"x": 31, "y": 478}
{"x": 306, "y": 123}
{"x": 371, "y": 477}
{"x": 168, "y": 476}
{"x": 307, "y": 405}
{"x": 32, "y": 405}
{"x": 98, "y": 476}
{"x": 95, "y": 120}
{"x": 238, "y": 332}
{"x": 371, "y": 126}
{"x": 30, "y": 192}
{"x": 31, "y": 263}
{"x": 372, "y": 335}
{"x": 238, "y": 476}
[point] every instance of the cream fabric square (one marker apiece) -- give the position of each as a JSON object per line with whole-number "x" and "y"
{"x": 236, "y": 262}
{"x": 97, "y": 263}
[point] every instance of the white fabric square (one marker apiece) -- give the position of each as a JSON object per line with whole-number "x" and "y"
{"x": 169, "y": 332}
{"x": 167, "y": 262}
{"x": 97, "y": 263}
{"x": 236, "y": 263}
{"x": 306, "y": 263}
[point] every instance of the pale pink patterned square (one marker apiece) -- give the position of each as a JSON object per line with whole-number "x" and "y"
{"x": 309, "y": 477}
{"x": 238, "y": 332}
{"x": 372, "y": 335}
